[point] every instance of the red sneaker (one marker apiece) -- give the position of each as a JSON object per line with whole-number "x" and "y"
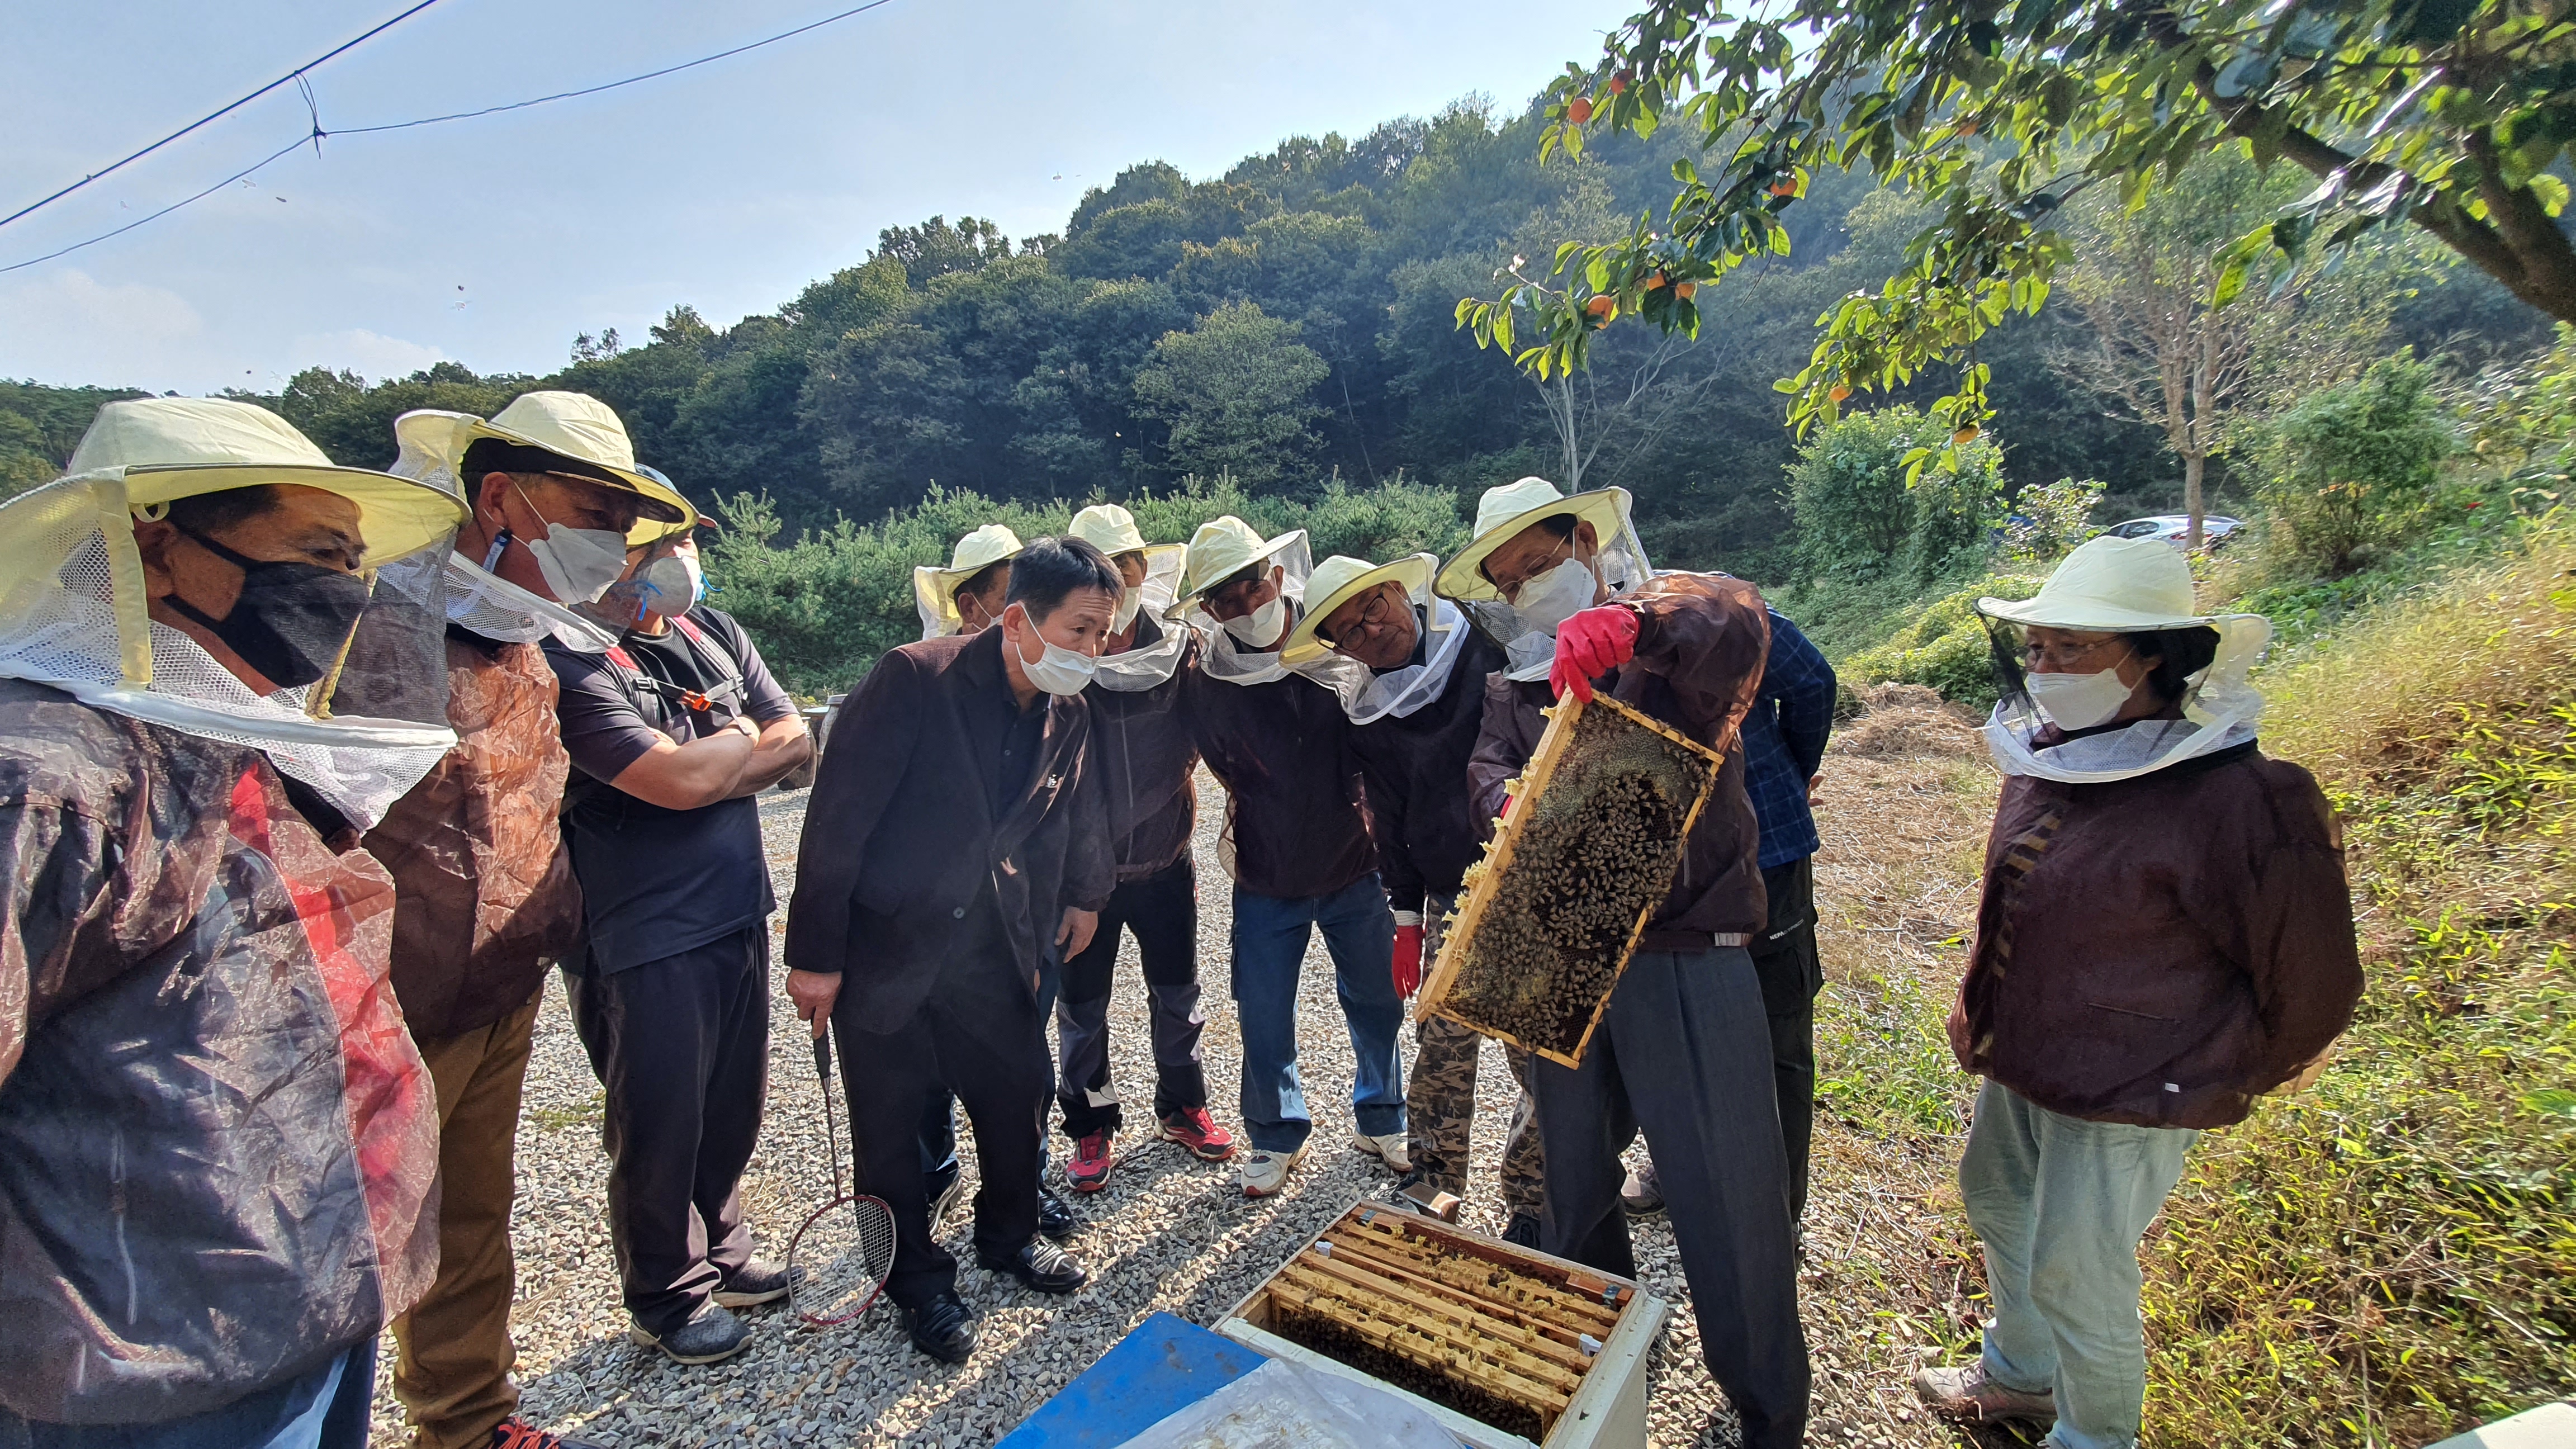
{"x": 1089, "y": 1169}
{"x": 1194, "y": 1129}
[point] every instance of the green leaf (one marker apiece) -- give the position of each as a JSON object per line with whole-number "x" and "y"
{"x": 2551, "y": 1102}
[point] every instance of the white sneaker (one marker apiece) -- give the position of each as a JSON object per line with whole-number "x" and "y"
{"x": 1264, "y": 1173}
{"x": 1394, "y": 1149}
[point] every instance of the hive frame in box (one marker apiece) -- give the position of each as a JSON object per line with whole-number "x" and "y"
{"x": 1532, "y": 782}
{"x": 1608, "y": 1409}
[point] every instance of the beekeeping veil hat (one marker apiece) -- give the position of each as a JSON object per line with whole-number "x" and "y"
{"x": 934, "y": 589}
{"x": 2126, "y": 586}
{"x": 1112, "y": 530}
{"x": 74, "y": 610}
{"x": 431, "y": 446}
{"x": 1443, "y": 632}
{"x": 1226, "y": 546}
{"x": 1501, "y": 515}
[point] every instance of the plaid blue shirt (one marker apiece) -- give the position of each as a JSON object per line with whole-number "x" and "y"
{"x": 1784, "y": 742}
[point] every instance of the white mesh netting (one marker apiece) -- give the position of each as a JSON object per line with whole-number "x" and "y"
{"x": 1527, "y": 652}
{"x": 72, "y": 615}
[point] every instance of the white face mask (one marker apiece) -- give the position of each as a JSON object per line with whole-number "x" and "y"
{"x": 1128, "y": 603}
{"x": 1546, "y": 602}
{"x": 578, "y": 564}
{"x": 1260, "y": 628}
{"x": 2079, "y": 701}
{"x": 669, "y": 586}
{"x": 1057, "y": 670}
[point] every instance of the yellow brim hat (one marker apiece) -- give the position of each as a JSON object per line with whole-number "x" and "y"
{"x": 1222, "y": 548}
{"x": 1340, "y": 579}
{"x": 577, "y": 428}
{"x": 1505, "y": 512}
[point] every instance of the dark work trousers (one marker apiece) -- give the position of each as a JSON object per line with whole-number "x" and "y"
{"x": 1163, "y": 911}
{"x": 681, "y": 1046}
{"x": 1785, "y": 962}
{"x": 981, "y": 1036}
{"x": 939, "y": 1165}
{"x": 1682, "y": 1052}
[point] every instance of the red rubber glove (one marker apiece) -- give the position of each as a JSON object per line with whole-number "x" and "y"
{"x": 1408, "y": 960}
{"x": 1590, "y": 645}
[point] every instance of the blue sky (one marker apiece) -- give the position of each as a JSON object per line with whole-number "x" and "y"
{"x": 494, "y": 241}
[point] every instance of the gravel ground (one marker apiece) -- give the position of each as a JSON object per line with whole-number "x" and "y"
{"x": 1168, "y": 1234}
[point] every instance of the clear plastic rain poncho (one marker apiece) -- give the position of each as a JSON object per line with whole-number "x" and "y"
{"x": 2220, "y": 711}
{"x": 1223, "y": 657}
{"x": 1528, "y": 651}
{"x": 72, "y": 616}
{"x": 1142, "y": 669}
{"x": 432, "y": 448}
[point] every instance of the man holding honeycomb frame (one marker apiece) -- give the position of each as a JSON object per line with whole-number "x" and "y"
{"x": 1683, "y": 1050}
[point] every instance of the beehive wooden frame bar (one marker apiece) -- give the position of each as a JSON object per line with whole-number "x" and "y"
{"x": 1430, "y": 1295}
{"x": 1533, "y": 783}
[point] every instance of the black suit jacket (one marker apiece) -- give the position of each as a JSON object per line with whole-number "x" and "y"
{"x": 900, "y": 834}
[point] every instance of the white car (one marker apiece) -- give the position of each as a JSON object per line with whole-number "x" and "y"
{"x": 2173, "y": 528}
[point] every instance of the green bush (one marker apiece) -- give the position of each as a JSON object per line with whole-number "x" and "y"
{"x": 1858, "y": 517}
{"x": 1945, "y": 647}
{"x": 826, "y": 605}
{"x": 2349, "y": 469}
{"x": 2049, "y": 519}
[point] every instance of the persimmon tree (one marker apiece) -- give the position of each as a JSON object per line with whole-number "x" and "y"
{"x": 2442, "y": 114}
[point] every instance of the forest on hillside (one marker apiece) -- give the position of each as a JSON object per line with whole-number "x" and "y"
{"x": 1292, "y": 323}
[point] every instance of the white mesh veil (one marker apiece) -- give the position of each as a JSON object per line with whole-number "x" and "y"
{"x": 475, "y": 598}
{"x": 1223, "y": 658}
{"x": 1527, "y": 651}
{"x": 2220, "y": 710}
{"x": 1140, "y": 669}
{"x": 1399, "y": 692}
{"x": 73, "y": 616}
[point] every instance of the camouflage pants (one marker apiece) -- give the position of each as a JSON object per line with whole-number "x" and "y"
{"x": 1440, "y": 1099}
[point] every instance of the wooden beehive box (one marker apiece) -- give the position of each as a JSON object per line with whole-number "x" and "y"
{"x": 1579, "y": 864}
{"x": 1509, "y": 1346}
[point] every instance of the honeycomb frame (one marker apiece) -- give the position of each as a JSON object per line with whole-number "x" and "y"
{"x": 1494, "y": 875}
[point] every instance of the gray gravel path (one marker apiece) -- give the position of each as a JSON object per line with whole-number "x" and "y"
{"x": 1168, "y": 1234}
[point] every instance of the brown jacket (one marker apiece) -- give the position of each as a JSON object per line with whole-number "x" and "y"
{"x": 1700, "y": 647}
{"x": 901, "y": 841}
{"x": 1293, "y": 804}
{"x": 2161, "y": 950}
{"x": 1141, "y": 743}
{"x": 485, "y": 894}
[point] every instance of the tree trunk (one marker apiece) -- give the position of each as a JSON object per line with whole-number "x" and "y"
{"x": 2192, "y": 463}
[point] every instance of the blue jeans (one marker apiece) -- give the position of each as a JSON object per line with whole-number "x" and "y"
{"x": 2060, "y": 1204}
{"x": 1270, "y": 936}
{"x": 325, "y": 1408}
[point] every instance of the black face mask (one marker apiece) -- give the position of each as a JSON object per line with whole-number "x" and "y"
{"x": 290, "y": 618}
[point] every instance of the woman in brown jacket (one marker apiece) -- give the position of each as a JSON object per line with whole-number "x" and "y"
{"x": 2165, "y": 935}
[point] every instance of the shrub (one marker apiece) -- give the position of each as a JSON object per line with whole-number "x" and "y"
{"x": 1946, "y": 647}
{"x": 1858, "y": 517}
{"x": 2048, "y": 519}
{"x": 2349, "y": 468}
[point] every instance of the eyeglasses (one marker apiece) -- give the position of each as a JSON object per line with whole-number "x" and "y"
{"x": 2053, "y": 658}
{"x": 1511, "y": 590}
{"x": 1373, "y": 617}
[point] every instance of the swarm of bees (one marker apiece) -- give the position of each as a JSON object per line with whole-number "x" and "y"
{"x": 1586, "y": 859}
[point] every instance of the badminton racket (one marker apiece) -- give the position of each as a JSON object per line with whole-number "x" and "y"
{"x": 839, "y": 1258}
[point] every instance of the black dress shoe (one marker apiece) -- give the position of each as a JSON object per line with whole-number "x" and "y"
{"x": 941, "y": 1328}
{"x": 1041, "y": 1265}
{"x": 1054, "y": 1218}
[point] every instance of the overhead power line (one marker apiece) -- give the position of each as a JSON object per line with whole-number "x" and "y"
{"x": 319, "y": 131}
{"x": 295, "y": 74}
